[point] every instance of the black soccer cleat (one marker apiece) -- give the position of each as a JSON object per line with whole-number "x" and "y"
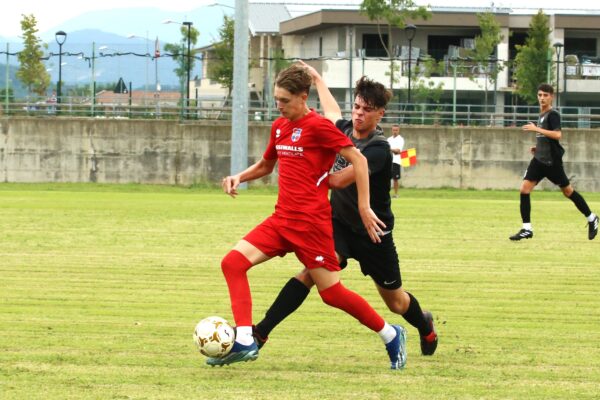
{"x": 593, "y": 228}
{"x": 429, "y": 343}
{"x": 522, "y": 234}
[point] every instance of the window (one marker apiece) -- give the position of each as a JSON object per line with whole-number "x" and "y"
{"x": 341, "y": 39}
{"x": 515, "y": 39}
{"x": 581, "y": 47}
{"x": 437, "y": 46}
{"x": 373, "y": 46}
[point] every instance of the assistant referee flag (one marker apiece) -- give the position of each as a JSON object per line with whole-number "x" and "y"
{"x": 408, "y": 157}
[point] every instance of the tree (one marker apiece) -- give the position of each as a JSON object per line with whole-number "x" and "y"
{"x": 7, "y": 93}
{"x": 221, "y": 68}
{"x": 425, "y": 90}
{"x": 180, "y": 54}
{"x": 394, "y": 13}
{"x": 279, "y": 61}
{"x": 485, "y": 48}
{"x": 32, "y": 71}
{"x": 531, "y": 62}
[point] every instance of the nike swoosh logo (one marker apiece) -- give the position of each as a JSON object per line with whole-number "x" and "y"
{"x": 388, "y": 283}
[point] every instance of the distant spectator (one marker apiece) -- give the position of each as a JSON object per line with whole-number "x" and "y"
{"x": 51, "y": 101}
{"x": 396, "y": 144}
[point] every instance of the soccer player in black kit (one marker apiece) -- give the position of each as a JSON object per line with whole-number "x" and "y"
{"x": 379, "y": 260}
{"x": 547, "y": 163}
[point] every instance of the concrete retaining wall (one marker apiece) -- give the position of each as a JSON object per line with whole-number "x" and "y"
{"x": 168, "y": 152}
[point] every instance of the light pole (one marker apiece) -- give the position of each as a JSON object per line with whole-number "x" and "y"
{"x": 239, "y": 112}
{"x": 93, "y": 82}
{"x": 7, "y": 79}
{"x": 453, "y": 65}
{"x": 188, "y": 65}
{"x": 410, "y": 30}
{"x": 557, "y": 48}
{"x": 60, "y": 37}
{"x": 187, "y": 83}
{"x": 156, "y": 57}
{"x": 239, "y": 117}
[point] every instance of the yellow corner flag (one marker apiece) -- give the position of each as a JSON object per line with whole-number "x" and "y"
{"x": 408, "y": 157}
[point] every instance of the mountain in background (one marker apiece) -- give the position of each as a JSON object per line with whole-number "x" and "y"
{"x": 107, "y": 33}
{"x": 114, "y": 57}
{"x": 148, "y": 22}
{"x": 15, "y": 84}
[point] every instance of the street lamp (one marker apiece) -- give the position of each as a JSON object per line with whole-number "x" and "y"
{"x": 410, "y": 30}
{"x": 188, "y": 65}
{"x": 60, "y": 37}
{"x": 557, "y": 48}
{"x": 189, "y": 61}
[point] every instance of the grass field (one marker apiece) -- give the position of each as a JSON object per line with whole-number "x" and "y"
{"x": 101, "y": 286}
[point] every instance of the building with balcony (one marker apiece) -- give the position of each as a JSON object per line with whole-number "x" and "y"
{"x": 343, "y": 44}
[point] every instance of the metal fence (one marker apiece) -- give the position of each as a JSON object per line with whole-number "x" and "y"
{"x": 414, "y": 114}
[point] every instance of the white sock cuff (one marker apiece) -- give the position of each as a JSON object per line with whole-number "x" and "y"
{"x": 387, "y": 334}
{"x": 591, "y": 217}
{"x": 243, "y": 335}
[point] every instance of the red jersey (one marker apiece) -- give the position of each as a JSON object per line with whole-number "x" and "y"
{"x": 306, "y": 150}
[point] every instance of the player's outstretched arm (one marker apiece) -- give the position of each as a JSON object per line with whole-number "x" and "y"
{"x": 331, "y": 109}
{"x": 342, "y": 178}
{"x": 255, "y": 171}
{"x": 372, "y": 224}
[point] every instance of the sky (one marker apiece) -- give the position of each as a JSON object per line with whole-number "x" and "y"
{"x": 50, "y": 14}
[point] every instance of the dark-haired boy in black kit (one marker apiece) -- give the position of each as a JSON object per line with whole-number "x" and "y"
{"x": 547, "y": 163}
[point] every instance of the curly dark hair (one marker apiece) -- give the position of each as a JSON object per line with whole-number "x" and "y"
{"x": 294, "y": 79}
{"x": 373, "y": 93}
{"x": 546, "y": 88}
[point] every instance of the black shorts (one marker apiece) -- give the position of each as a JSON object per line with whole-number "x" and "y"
{"x": 378, "y": 260}
{"x": 396, "y": 171}
{"x": 536, "y": 171}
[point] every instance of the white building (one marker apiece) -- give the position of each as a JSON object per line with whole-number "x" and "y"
{"x": 344, "y": 44}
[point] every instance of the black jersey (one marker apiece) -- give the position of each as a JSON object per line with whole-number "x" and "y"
{"x": 344, "y": 202}
{"x": 548, "y": 151}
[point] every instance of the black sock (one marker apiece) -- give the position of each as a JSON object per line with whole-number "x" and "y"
{"x": 290, "y": 297}
{"x": 580, "y": 203}
{"x": 526, "y": 208}
{"x": 414, "y": 316}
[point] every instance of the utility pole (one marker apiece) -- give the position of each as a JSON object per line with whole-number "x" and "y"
{"x": 239, "y": 120}
{"x": 7, "y": 79}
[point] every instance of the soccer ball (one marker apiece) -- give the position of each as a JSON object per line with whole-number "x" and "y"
{"x": 214, "y": 337}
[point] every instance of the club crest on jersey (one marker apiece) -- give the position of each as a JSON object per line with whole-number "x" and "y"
{"x": 278, "y": 133}
{"x": 296, "y": 132}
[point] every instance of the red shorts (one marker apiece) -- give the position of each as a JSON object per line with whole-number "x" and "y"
{"x": 311, "y": 242}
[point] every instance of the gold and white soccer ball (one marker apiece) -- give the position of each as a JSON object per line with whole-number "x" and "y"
{"x": 214, "y": 337}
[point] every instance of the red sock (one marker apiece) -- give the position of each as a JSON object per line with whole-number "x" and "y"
{"x": 234, "y": 266}
{"x": 339, "y": 296}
